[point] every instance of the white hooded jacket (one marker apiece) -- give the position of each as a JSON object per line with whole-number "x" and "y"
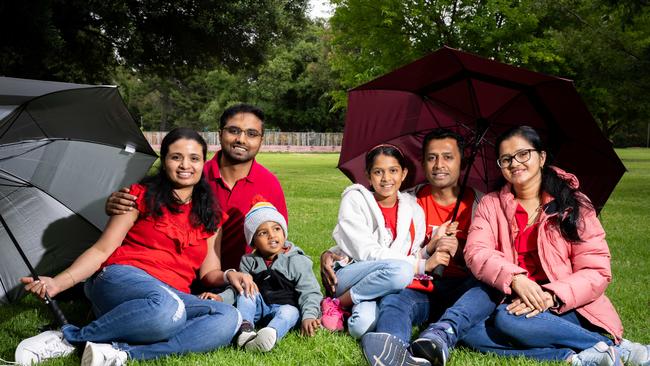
{"x": 361, "y": 233}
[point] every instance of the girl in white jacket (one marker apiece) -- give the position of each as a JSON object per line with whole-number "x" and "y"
{"x": 379, "y": 234}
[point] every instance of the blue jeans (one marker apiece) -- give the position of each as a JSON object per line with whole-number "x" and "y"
{"x": 400, "y": 311}
{"x": 367, "y": 282}
{"x": 545, "y": 337}
{"x": 148, "y": 319}
{"x": 477, "y": 322}
{"x": 279, "y": 317}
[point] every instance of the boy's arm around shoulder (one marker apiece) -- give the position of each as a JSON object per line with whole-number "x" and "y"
{"x": 309, "y": 295}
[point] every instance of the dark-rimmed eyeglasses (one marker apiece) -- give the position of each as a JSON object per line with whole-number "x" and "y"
{"x": 236, "y": 131}
{"x": 520, "y": 156}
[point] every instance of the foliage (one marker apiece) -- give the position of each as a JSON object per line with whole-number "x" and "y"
{"x": 604, "y": 45}
{"x": 372, "y": 38}
{"x": 83, "y": 40}
{"x": 292, "y": 87}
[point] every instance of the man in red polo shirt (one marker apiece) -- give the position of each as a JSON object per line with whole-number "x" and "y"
{"x": 235, "y": 178}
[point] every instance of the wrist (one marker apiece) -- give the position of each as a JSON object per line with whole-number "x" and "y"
{"x": 225, "y": 275}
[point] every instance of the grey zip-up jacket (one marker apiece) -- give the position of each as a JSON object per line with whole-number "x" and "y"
{"x": 296, "y": 266}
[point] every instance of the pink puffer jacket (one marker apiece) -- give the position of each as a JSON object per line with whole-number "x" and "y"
{"x": 578, "y": 272}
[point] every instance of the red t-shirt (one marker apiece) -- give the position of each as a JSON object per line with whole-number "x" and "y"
{"x": 526, "y": 246}
{"x": 235, "y": 202}
{"x": 436, "y": 215}
{"x": 169, "y": 248}
{"x": 390, "y": 218}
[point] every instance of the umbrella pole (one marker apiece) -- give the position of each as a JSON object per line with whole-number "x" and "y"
{"x": 58, "y": 314}
{"x": 481, "y": 129}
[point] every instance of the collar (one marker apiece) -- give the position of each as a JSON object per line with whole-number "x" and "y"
{"x": 215, "y": 174}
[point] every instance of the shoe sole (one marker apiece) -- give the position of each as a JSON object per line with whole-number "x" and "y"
{"x": 390, "y": 353}
{"x": 425, "y": 348}
{"x": 87, "y": 357}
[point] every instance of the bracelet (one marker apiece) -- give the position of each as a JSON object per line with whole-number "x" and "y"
{"x": 225, "y": 275}
{"x": 69, "y": 275}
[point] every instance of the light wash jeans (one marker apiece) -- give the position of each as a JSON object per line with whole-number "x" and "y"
{"x": 279, "y": 317}
{"x": 368, "y": 282}
{"x": 148, "y": 319}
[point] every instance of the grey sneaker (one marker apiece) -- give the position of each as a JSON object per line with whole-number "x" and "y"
{"x": 36, "y": 349}
{"x": 246, "y": 334}
{"x": 599, "y": 354}
{"x": 264, "y": 342}
{"x": 101, "y": 354}
{"x": 634, "y": 354}
{"x": 383, "y": 349}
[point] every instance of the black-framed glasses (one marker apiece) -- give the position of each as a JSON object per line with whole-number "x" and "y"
{"x": 251, "y": 133}
{"x": 521, "y": 156}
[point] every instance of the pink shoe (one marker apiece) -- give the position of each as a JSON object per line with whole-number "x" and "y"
{"x": 332, "y": 314}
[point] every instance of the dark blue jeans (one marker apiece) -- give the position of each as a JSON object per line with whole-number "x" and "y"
{"x": 400, "y": 311}
{"x": 546, "y": 336}
{"x": 148, "y": 319}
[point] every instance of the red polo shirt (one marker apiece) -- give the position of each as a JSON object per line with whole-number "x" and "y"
{"x": 236, "y": 201}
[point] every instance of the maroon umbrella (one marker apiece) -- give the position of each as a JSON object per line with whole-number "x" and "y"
{"x": 461, "y": 91}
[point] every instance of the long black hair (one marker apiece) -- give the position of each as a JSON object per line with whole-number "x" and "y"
{"x": 568, "y": 201}
{"x": 160, "y": 191}
{"x": 384, "y": 149}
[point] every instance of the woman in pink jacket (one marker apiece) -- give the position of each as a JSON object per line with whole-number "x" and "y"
{"x": 539, "y": 242}
{"x": 540, "y": 251}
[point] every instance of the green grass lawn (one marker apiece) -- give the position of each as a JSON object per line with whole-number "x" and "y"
{"x": 312, "y": 186}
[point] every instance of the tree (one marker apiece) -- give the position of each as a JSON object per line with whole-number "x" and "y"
{"x": 83, "y": 40}
{"x": 372, "y": 38}
{"x": 606, "y": 45}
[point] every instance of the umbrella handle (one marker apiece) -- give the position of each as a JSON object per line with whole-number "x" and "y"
{"x": 437, "y": 272}
{"x": 58, "y": 314}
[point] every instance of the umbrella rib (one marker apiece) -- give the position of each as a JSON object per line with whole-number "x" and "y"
{"x": 13, "y": 119}
{"x": 30, "y": 185}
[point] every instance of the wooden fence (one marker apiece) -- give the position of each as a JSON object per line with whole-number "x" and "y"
{"x": 274, "y": 141}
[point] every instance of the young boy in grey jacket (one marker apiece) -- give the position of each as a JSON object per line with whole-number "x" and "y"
{"x": 288, "y": 289}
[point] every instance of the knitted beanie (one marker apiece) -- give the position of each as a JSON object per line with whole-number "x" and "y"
{"x": 261, "y": 212}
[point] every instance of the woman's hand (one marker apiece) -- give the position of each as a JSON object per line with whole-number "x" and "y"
{"x": 243, "y": 283}
{"x": 42, "y": 286}
{"x": 327, "y": 275}
{"x": 518, "y": 307}
{"x": 210, "y": 296}
{"x": 309, "y": 327}
{"x": 529, "y": 292}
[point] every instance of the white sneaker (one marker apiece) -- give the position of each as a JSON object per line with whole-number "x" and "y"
{"x": 634, "y": 354}
{"x": 102, "y": 354}
{"x": 264, "y": 342}
{"x": 599, "y": 354}
{"x": 49, "y": 344}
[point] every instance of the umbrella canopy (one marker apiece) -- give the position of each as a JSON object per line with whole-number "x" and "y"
{"x": 63, "y": 149}
{"x": 460, "y": 91}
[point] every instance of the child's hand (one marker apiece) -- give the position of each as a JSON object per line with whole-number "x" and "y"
{"x": 210, "y": 296}
{"x": 309, "y": 327}
{"x": 439, "y": 257}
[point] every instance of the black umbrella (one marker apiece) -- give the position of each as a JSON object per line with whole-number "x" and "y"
{"x": 63, "y": 149}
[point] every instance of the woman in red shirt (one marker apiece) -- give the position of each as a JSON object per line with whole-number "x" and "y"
{"x": 147, "y": 259}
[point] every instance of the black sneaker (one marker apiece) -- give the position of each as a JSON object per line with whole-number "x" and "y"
{"x": 434, "y": 349}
